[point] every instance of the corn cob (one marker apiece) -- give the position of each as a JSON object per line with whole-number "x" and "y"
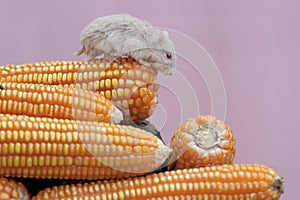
{"x": 130, "y": 86}
{"x": 39, "y": 100}
{"x": 240, "y": 182}
{"x": 202, "y": 141}
{"x": 33, "y": 147}
{"x": 11, "y": 190}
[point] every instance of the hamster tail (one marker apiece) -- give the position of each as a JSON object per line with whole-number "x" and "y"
{"x": 77, "y": 53}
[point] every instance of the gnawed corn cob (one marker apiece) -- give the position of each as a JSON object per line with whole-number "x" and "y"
{"x": 130, "y": 86}
{"x": 202, "y": 141}
{"x": 33, "y": 147}
{"x": 243, "y": 181}
{"x": 12, "y": 190}
{"x": 55, "y": 101}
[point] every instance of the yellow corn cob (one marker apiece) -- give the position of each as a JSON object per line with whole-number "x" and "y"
{"x": 202, "y": 141}
{"x": 11, "y": 190}
{"x": 130, "y": 86}
{"x": 238, "y": 182}
{"x": 39, "y": 100}
{"x": 36, "y": 147}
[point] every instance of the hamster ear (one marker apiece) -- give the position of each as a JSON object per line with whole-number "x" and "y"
{"x": 162, "y": 36}
{"x": 165, "y": 33}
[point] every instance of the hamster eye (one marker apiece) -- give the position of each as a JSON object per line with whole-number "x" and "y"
{"x": 169, "y": 56}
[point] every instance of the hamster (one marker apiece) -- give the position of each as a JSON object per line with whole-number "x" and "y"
{"x": 124, "y": 35}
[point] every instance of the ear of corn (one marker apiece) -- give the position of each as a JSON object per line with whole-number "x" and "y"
{"x": 12, "y": 190}
{"x": 202, "y": 141}
{"x": 130, "y": 86}
{"x": 56, "y": 102}
{"x": 243, "y": 181}
{"x": 33, "y": 147}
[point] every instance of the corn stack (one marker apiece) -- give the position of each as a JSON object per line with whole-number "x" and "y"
{"x": 130, "y": 86}
{"x": 55, "y": 101}
{"x": 34, "y": 147}
{"x": 240, "y": 181}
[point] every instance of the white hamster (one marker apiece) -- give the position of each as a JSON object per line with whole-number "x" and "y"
{"x": 124, "y": 35}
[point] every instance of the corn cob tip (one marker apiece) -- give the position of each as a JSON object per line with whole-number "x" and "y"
{"x": 202, "y": 141}
{"x": 162, "y": 153}
{"x": 278, "y": 184}
{"x": 116, "y": 114}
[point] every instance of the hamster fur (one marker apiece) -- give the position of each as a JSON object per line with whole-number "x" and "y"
{"x": 124, "y": 35}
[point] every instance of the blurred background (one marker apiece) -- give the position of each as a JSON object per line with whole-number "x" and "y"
{"x": 254, "y": 44}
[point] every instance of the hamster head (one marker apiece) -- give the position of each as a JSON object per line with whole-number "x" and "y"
{"x": 162, "y": 60}
{"x": 159, "y": 54}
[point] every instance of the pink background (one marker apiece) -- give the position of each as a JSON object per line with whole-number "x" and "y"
{"x": 255, "y": 45}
